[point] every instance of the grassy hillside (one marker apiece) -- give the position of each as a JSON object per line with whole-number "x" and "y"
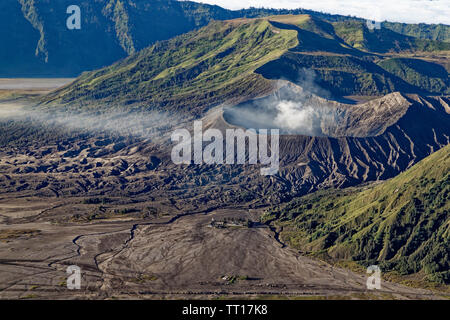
{"x": 340, "y": 75}
{"x": 402, "y": 224}
{"x": 427, "y": 75}
{"x": 189, "y": 72}
{"x": 356, "y": 34}
{"x": 234, "y": 60}
{"x": 344, "y": 59}
{"x": 440, "y": 32}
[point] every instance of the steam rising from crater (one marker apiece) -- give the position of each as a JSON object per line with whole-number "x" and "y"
{"x": 296, "y": 117}
{"x": 291, "y": 110}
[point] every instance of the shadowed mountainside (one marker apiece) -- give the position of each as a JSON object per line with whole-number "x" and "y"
{"x": 36, "y": 42}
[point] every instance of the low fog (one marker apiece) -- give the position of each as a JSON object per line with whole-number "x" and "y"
{"x": 147, "y": 125}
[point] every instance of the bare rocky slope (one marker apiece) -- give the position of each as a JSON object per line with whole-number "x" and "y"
{"x": 398, "y": 132}
{"x": 139, "y": 226}
{"x": 107, "y": 133}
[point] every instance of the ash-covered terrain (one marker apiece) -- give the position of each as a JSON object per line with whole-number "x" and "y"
{"x": 138, "y": 225}
{"x": 87, "y": 179}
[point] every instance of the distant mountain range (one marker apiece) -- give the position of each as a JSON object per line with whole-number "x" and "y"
{"x": 36, "y": 41}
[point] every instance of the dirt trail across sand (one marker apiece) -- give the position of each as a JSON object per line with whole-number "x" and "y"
{"x": 179, "y": 256}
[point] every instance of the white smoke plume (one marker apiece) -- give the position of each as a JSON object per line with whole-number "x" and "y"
{"x": 293, "y": 109}
{"x": 294, "y": 116}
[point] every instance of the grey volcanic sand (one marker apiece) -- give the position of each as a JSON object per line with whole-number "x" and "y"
{"x": 33, "y": 83}
{"x": 159, "y": 258}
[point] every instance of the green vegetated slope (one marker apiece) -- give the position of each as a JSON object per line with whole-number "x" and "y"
{"x": 190, "y": 72}
{"x": 234, "y": 60}
{"x": 358, "y": 35}
{"x": 339, "y": 75}
{"x": 344, "y": 58}
{"x": 402, "y": 224}
{"x": 423, "y": 74}
{"x": 440, "y": 32}
{"x": 36, "y": 42}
